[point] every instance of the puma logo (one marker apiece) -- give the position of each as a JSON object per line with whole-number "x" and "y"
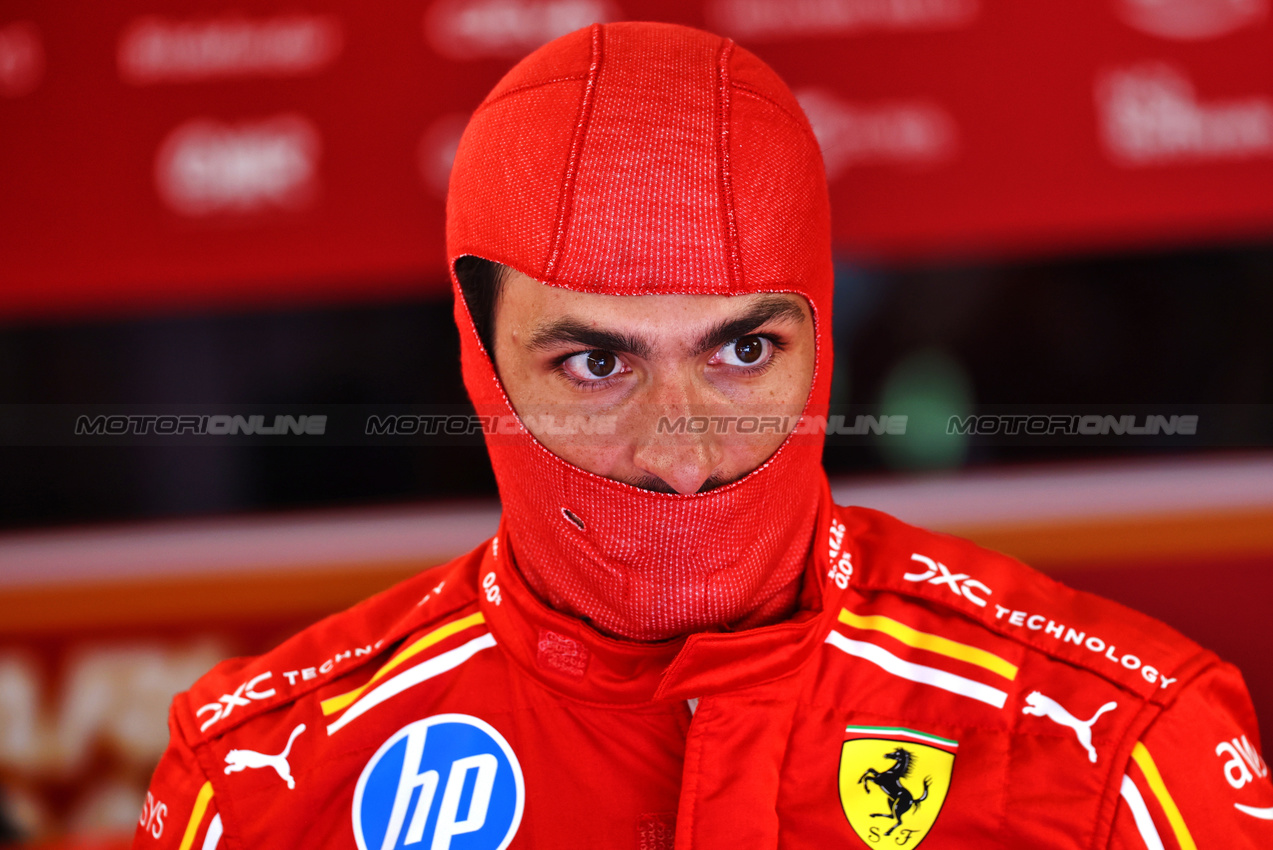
{"x": 1044, "y": 706}
{"x": 237, "y": 760}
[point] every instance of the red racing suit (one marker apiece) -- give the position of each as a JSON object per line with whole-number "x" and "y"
{"x": 928, "y": 692}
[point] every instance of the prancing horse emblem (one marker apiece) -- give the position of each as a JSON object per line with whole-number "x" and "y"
{"x": 911, "y": 813}
{"x": 900, "y": 799}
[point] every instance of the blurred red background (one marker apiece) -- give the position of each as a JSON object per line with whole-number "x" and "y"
{"x": 201, "y": 154}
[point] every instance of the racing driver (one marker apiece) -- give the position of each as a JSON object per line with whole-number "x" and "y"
{"x": 675, "y": 638}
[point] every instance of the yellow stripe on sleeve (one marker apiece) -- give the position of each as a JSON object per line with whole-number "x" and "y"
{"x": 196, "y": 816}
{"x": 1154, "y": 779}
{"x": 930, "y": 642}
{"x": 336, "y": 703}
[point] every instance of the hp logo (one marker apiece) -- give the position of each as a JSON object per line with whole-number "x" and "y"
{"x": 448, "y": 782}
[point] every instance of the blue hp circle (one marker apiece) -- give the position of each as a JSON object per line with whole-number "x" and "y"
{"x": 448, "y": 782}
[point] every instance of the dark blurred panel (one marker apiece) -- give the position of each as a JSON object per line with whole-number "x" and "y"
{"x": 1129, "y": 330}
{"x": 383, "y": 355}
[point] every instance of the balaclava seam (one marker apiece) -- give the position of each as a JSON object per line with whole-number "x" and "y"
{"x": 576, "y": 146}
{"x": 568, "y": 78}
{"x": 733, "y": 267}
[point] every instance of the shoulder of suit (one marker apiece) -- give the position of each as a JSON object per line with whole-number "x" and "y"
{"x": 1010, "y": 599}
{"x": 239, "y": 689}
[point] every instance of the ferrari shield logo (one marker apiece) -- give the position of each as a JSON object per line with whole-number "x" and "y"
{"x": 893, "y": 783}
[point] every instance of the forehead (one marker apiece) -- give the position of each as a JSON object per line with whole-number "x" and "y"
{"x": 527, "y": 302}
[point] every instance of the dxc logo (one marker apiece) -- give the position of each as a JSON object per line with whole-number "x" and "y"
{"x": 959, "y": 583}
{"x": 243, "y": 695}
{"x": 450, "y": 780}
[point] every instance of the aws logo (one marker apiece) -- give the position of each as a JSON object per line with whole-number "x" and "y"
{"x": 448, "y": 781}
{"x": 893, "y": 783}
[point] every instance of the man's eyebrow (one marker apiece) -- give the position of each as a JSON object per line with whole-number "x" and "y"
{"x": 764, "y": 310}
{"x": 574, "y": 332}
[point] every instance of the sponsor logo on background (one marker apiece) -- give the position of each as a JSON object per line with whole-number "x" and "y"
{"x": 436, "y": 779}
{"x": 206, "y": 167}
{"x": 436, "y": 152}
{"x": 156, "y": 50}
{"x": 893, "y": 783}
{"x": 1191, "y": 20}
{"x": 478, "y": 29}
{"x": 916, "y": 133}
{"x": 90, "y": 714}
{"x": 1151, "y": 115}
{"x": 757, "y": 19}
{"x": 21, "y": 59}
{"x": 111, "y": 697}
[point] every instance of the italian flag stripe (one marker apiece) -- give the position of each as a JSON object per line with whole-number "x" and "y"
{"x": 900, "y": 732}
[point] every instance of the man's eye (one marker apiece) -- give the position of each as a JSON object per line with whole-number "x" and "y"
{"x": 746, "y": 351}
{"x": 593, "y": 365}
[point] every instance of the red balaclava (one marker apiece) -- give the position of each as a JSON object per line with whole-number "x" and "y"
{"x": 646, "y": 159}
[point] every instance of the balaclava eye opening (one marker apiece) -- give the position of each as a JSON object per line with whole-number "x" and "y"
{"x": 639, "y": 159}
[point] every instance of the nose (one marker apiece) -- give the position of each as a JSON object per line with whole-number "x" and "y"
{"x": 681, "y": 446}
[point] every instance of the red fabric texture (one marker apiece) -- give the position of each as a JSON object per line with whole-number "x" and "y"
{"x": 611, "y": 755}
{"x": 636, "y": 159}
{"x": 1207, "y": 751}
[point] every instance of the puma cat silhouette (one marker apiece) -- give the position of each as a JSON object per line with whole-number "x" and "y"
{"x": 1044, "y": 706}
{"x": 237, "y": 760}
